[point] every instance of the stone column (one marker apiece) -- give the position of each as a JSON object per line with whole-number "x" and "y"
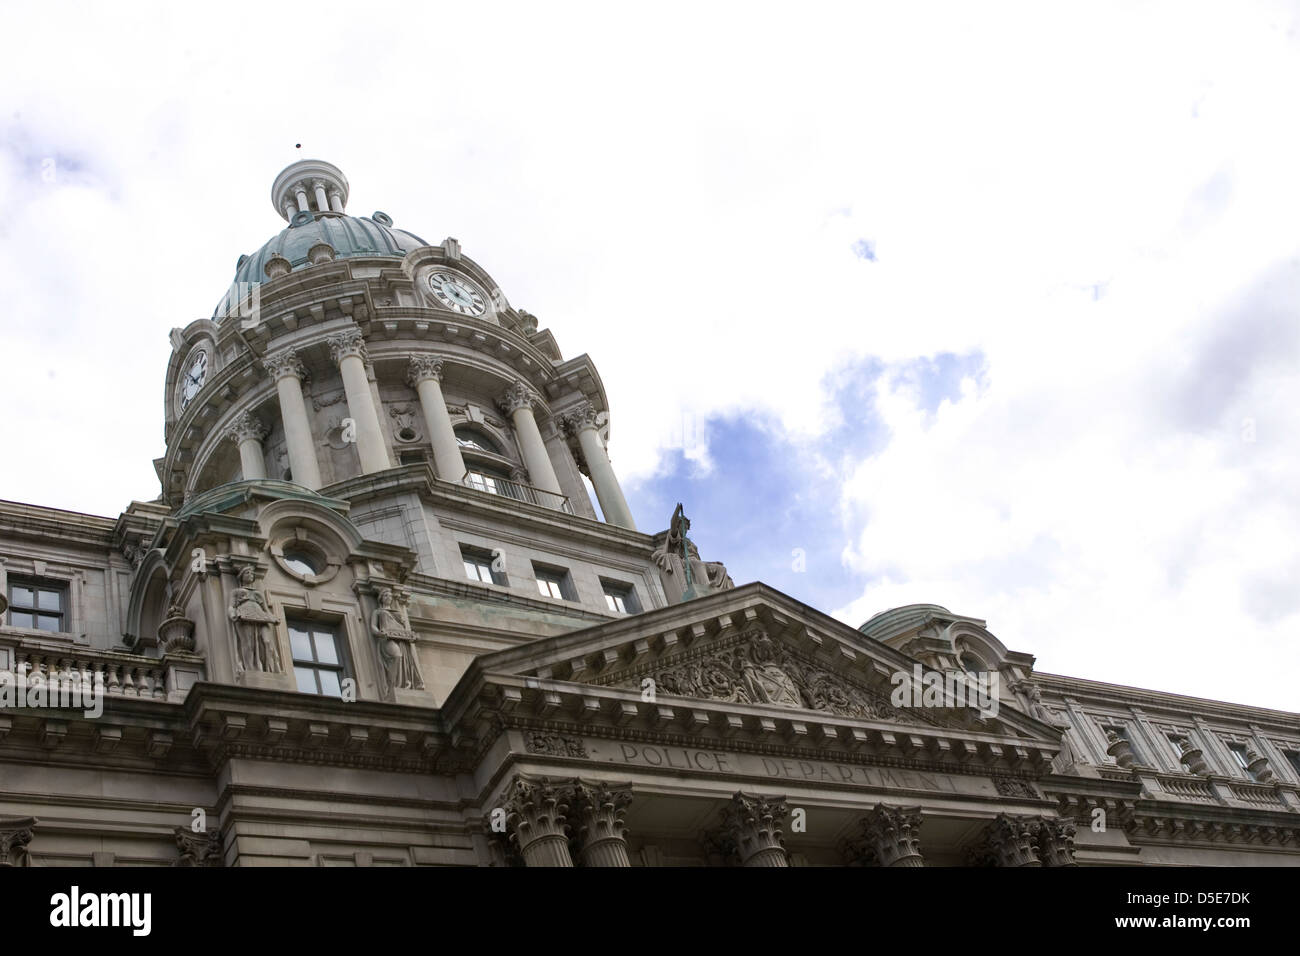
{"x": 300, "y": 191}
{"x": 247, "y": 432}
{"x": 597, "y": 811}
{"x": 425, "y": 377}
{"x": 318, "y": 187}
{"x": 1007, "y": 841}
{"x": 582, "y": 421}
{"x": 890, "y": 834}
{"x": 349, "y": 352}
{"x": 1054, "y": 839}
{"x": 517, "y": 401}
{"x": 289, "y": 375}
{"x": 336, "y": 200}
{"x": 754, "y": 825}
{"x": 535, "y": 812}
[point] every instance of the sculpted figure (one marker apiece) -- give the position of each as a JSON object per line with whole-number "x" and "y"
{"x": 1068, "y": 756}
{"x": 396, "y": 644}
{"x": 679, "y": 551}
{"x": 255, "y": 644}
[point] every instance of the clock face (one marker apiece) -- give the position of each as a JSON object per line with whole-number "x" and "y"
{"x": 458, "y": 294}
{"x": 193, "y": 376}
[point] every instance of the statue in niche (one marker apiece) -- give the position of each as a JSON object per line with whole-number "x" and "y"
{"x": 684, "y": 575}
{"x": 255, "y": 644}
{"x": 392, "y": 629}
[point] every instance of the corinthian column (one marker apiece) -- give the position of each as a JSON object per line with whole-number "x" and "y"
{"x": 247, "y": 432}
{"x": 348, "y": 350}
{"x": 754, "y": 825}
{"x": 289, "y": 374}
{"x": 535, "y": 815}
{"x": 518, "y": 402}
{"x": 582, "y": 421}
{"x": 1007, "y": 841}
{"x": 891, "y": 836}
{"x": 597, "y": 811}
{"x": 425, "y": 377}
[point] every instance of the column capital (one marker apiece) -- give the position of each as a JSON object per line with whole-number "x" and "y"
{"x": 347, "y": 344}
{"x": 424, "y": 367}
{"x": 244, "y": 427}
{"x": 517, "y": 396}
{"x": 283, "y": 363}
{"x": 1007, "y": 841}
{"x": 755, "y": 825}
{"x": 597, "y": 810}
{"x": 535, "y": 815}
{"x": 1054, "y": 838}
{"x": 15, "y": 835}
{"x": 580, "y": 416}
{"x": 890, "y": 836}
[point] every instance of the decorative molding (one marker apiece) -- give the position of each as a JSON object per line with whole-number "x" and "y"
{"x": 347, "y": 344}
{"x": 198, "y": 849}
{"x": 517, "y": 396}
{"x": 15, "y": 837}
{"x": 580, "y": 416}
{"x": 284, "y": 363}
{"x": 424, "y": 367}
{"x": 244, "y": 427}
{"x": 554, "y": 745}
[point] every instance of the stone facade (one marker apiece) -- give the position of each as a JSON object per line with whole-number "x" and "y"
{"x": 373, "y": 618}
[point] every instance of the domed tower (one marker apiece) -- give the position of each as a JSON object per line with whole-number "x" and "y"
{"x": 366, "y": 419}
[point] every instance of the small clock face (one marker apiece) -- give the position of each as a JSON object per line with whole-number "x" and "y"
{"x": 196, "y": 370}
{"x": 458, "y": 294}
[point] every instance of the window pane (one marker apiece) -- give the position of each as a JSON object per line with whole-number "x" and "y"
{"x": 306, "y": 678}
{"x": 22, "y": 596}
{"x": 301, "y": 644}
{"x": 471, "y": 570}
{"x": 326, "y": 652}
{"x": 21, "y": 619}
{"x": 51, "y": 600}
{"x": 49, "y": 622}
{"x": 329, "y": 683}
{"x": 609, "y": 601}
{"x": 542, "y": 588}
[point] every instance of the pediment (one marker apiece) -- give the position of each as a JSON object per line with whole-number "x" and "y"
{"x": 752, "y": 647}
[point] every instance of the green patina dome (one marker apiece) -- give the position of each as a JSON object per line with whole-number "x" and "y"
{"x": 899, "y": 618}
{"x": 348, "y": 236}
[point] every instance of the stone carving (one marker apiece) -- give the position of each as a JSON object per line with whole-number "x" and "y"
{"x": 756, "y": 670}
{"x": 1013, "y": 787}
{"x": 1120, "y": 749}
{"x": 580, "y": 416}
{"x": 318, "y": 403}
{"x": 392, "y": 629}
{"x": 176, "y": 632}
{"x": 1006, "y": 841}
{"x": 197, "y": 849}
{"x": 536, "y": 817}
{"x": 527, "y": 322}
{"x": 347, "y": 344}
{"x": 1259, "y": 766}
{"x": 515, "y": 397}
{"x": 889, "y": 837}
{"x": 404, "y": 419}
{"x": 684, "y": 575}
{"x": 15, "y": 837}
{"x": 422, "y": 367}
{"x": 554, "y": 745}
{"x": 1069, "y": 755}
{"x": 754, "y": 825}
{"x": 244, "y": 427}
{"x": 1025, "y": 841}
{"x": 284, "y": 363}
{"x": 597, "y": 811}
{"x": 1192, "y": 757}
{"x": 255, "y": 644}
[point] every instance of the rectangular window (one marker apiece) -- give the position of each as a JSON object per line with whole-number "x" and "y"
{"x": 37, "y": 604}
{"x": 554, "y": 583}
{"x": 1293, "y": 758}
{"x": 488, "y": 483}
{"x": 620, "y": 598}
{"x": 483, "y": 566}
{"x": 318, "y": 664}
{"x": 1239, "y": 754}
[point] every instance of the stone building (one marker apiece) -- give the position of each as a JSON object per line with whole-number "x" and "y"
{"x": 374, "y": 618}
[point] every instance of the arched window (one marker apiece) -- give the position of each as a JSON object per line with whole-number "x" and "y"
{"x": 474, "y": 439}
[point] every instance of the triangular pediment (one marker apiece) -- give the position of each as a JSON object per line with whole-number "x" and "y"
{"x": 755, "y": 648}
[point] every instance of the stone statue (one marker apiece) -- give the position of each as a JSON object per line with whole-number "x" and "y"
{"x": 255, "y": 644}
{"x": 684, "y": 575}
{"x": 1069, "y": 756}
{"x": 392, "y": 630}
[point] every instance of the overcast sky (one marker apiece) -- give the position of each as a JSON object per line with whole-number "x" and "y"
{"x": 986, "y": 305}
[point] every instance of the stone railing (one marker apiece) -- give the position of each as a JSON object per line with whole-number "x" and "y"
{"x": 1186, "y": 788}
{"x": 119, "y": 673}
{"x": 1257, "y": 795}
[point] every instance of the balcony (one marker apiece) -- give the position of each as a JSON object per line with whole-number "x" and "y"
{"x": 506, "y": 488}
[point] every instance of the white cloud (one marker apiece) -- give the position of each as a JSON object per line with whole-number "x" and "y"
{"x": 678, "y": 193}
